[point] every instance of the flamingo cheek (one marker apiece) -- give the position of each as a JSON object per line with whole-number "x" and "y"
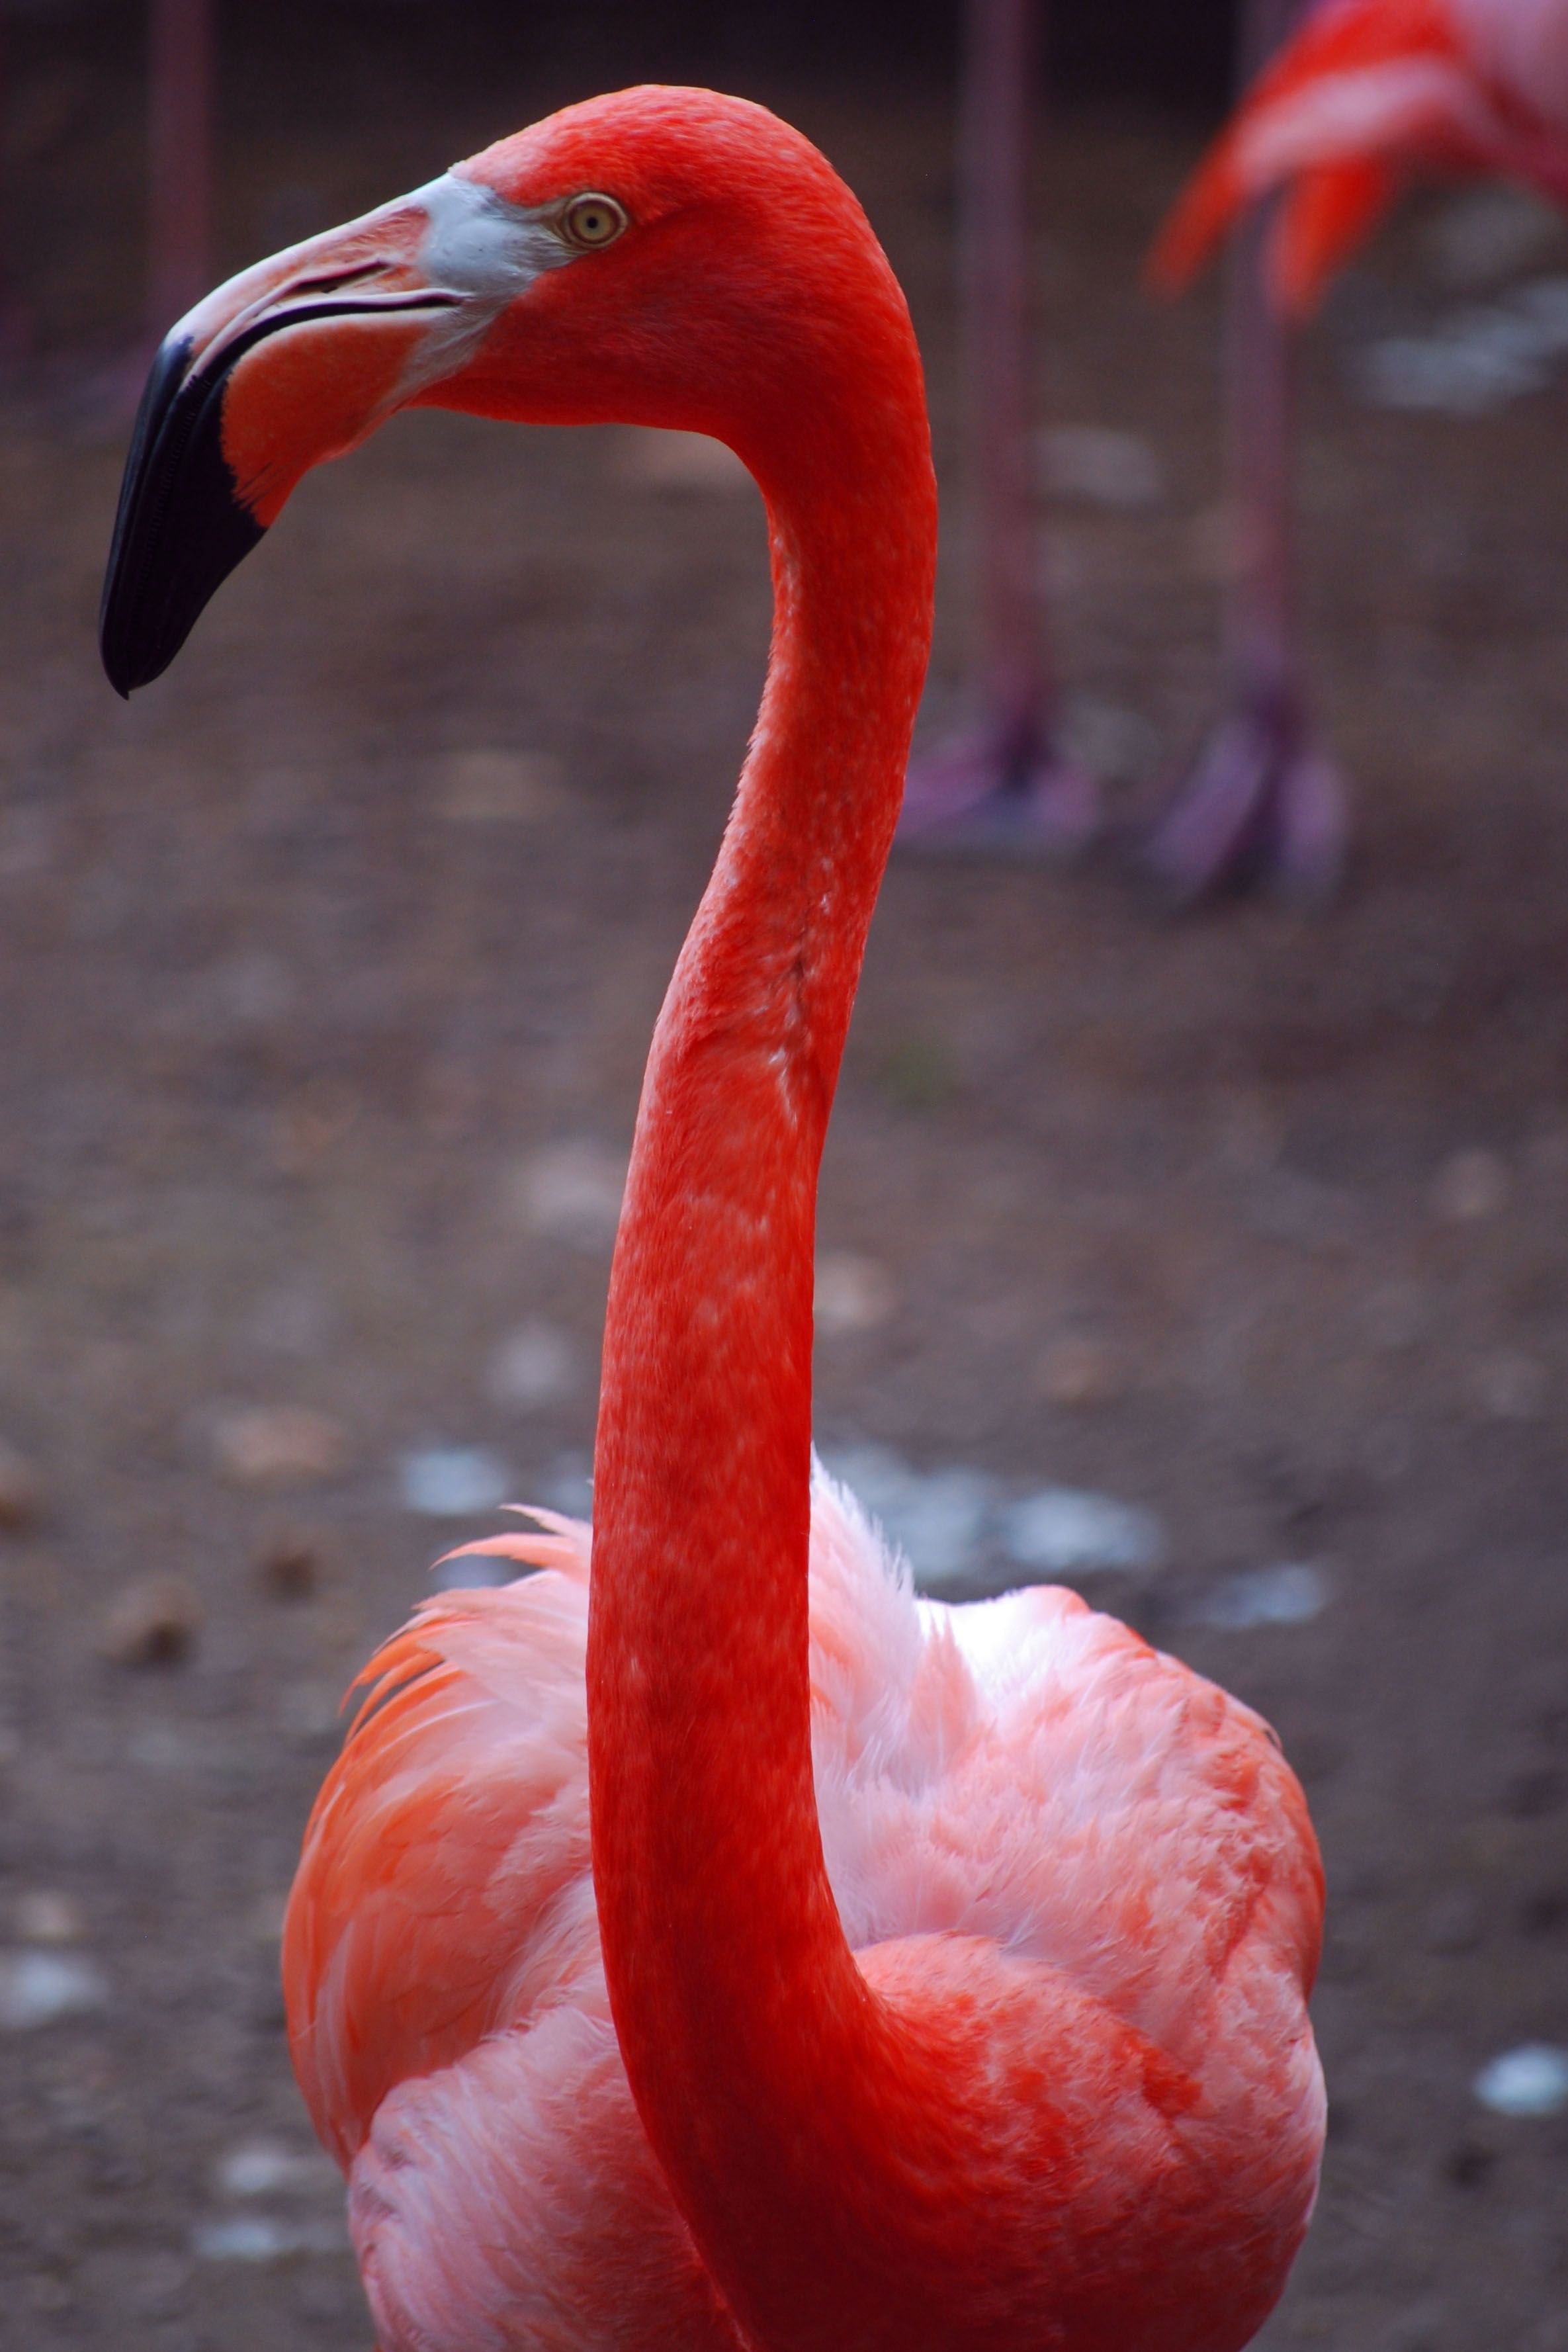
{"x": 305, "y": 394}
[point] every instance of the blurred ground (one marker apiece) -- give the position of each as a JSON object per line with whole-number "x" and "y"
{"x": 307, "y": 957}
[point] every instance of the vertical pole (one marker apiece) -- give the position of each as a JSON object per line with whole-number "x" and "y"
{"x": 997, "y": 282}
{"x": 180, "y": 84}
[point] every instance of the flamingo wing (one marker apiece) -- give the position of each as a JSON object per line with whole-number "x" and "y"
{"x": 1366, "y": 91}
{"x": 1018, "y": 1790}
{"x": 443, "y": 1892}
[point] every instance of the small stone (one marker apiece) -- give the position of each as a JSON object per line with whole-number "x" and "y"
{"x": 661, "y": 460}
{"x": 1066, "y": 1531}
{"x": 1293, "y": 1593}
{"x": 1470, "y": 1185}
{"x": 1079, "y": 1374}
{"x": 21, "y": 1491}
{"x": 266, "y": 2168}
{"x": 450, "y": 1482}
{"x": 289, "y": 1565}
{"x": 281, "y": 1445}
{"x": 43, "y": 1916}
{"x": 535, "y": 1365}
{"x": 571, "y": 1191}
{"x": 1099, "y": 467}
{"x": 1529, "y": 2080}
{"x": 38, "y": 1986}
{"x": 153, "y": 1621}
{"x": 853, "y": 1292}
{"x": 935, "y": 1518}
{"x": 1511, "y": 1386}
{"x": 257, "y": 2238}
{"x": 492, "y": 786}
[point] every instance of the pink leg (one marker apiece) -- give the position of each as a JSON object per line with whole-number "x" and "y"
{"x": 15, "y": 325}
{"x": 1262, "y": 803}
{"x": 1003, "y": 785}
{"x": 179, "y": 124}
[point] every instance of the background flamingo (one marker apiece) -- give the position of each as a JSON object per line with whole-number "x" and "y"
{"x": 953, "y": 1962}
{"x": 1260, "y": 800}
{"x": 1366, "y": 93}
{"x": 1369, "y": 93}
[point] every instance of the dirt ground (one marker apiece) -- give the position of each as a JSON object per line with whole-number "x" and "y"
{"x": 308, "y": 955}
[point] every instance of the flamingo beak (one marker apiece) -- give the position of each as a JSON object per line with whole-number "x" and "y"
{"x": 295, "y": 361}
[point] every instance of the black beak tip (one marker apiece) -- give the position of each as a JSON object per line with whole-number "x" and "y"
{"x": 181, "y": 527}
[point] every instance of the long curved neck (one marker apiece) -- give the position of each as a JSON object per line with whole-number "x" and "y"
{"x": 744, "y": 2021}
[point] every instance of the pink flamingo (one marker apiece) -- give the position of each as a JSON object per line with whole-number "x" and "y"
{"x": 1007, "y": 786}
{"x": 1369, "y": 93}
{"x": 734, "y": 1950}
{"x": 1366, "y": 93}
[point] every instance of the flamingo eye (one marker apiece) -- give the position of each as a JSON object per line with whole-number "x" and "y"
{"x": 594, "y": 220}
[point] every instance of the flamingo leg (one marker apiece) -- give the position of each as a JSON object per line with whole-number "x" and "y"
{"x": 1004, "y": 785}
{"x": 1261, "y": 804}
{"x": 179, "y": 138}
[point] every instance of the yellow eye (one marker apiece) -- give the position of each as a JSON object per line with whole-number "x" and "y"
{"x": 594, "y": 220}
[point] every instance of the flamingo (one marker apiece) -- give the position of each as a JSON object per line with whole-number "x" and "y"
{"x": 1364, "y": 94}
{"x": 1368, "y": 93}
{"x": 730, "y": 1949}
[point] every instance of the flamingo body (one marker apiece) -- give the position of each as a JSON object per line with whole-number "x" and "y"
{"x": 446, "y": 1989}
{"x": 1366, "y": 93}
{"x": 735, "y": 1950}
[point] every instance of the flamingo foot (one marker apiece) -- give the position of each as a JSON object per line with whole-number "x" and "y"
{"x": 1262, "y": 806}
{"x": 1006, "y": 792}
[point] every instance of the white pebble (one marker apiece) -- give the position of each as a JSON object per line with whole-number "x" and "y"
{"x": 255, "y": 2238}
{"x": 853, "y": 1293}
{"x": 493, "y": 786}
{"x": 935, "y": 1518}
{"x": 1529, "y": 2080}
{"x": 1470, "y": 1185}
{"x": 279, "y": 1445}
{"x": 1290, "y": 1594}
{"x": 448, "y": 1482}
{"x": 44, "y": 1916}
{"x": 534, "y": 1365}
{"x": 266, "y": 2168}
{"x": 1511, "y": 1386}
{"x": 1061, "y": 1530}
{"x": 37, "y": 1987}
{"x": 572, "y": 1191}
{"x": 1100, "y": 466}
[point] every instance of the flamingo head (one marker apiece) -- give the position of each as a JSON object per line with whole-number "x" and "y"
{"x": 661, "y": 257}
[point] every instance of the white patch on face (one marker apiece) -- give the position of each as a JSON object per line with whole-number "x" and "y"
{"x": 478, "y": 246}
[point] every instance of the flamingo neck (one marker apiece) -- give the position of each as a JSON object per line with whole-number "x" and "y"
{"x": 744, "y": 2020}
